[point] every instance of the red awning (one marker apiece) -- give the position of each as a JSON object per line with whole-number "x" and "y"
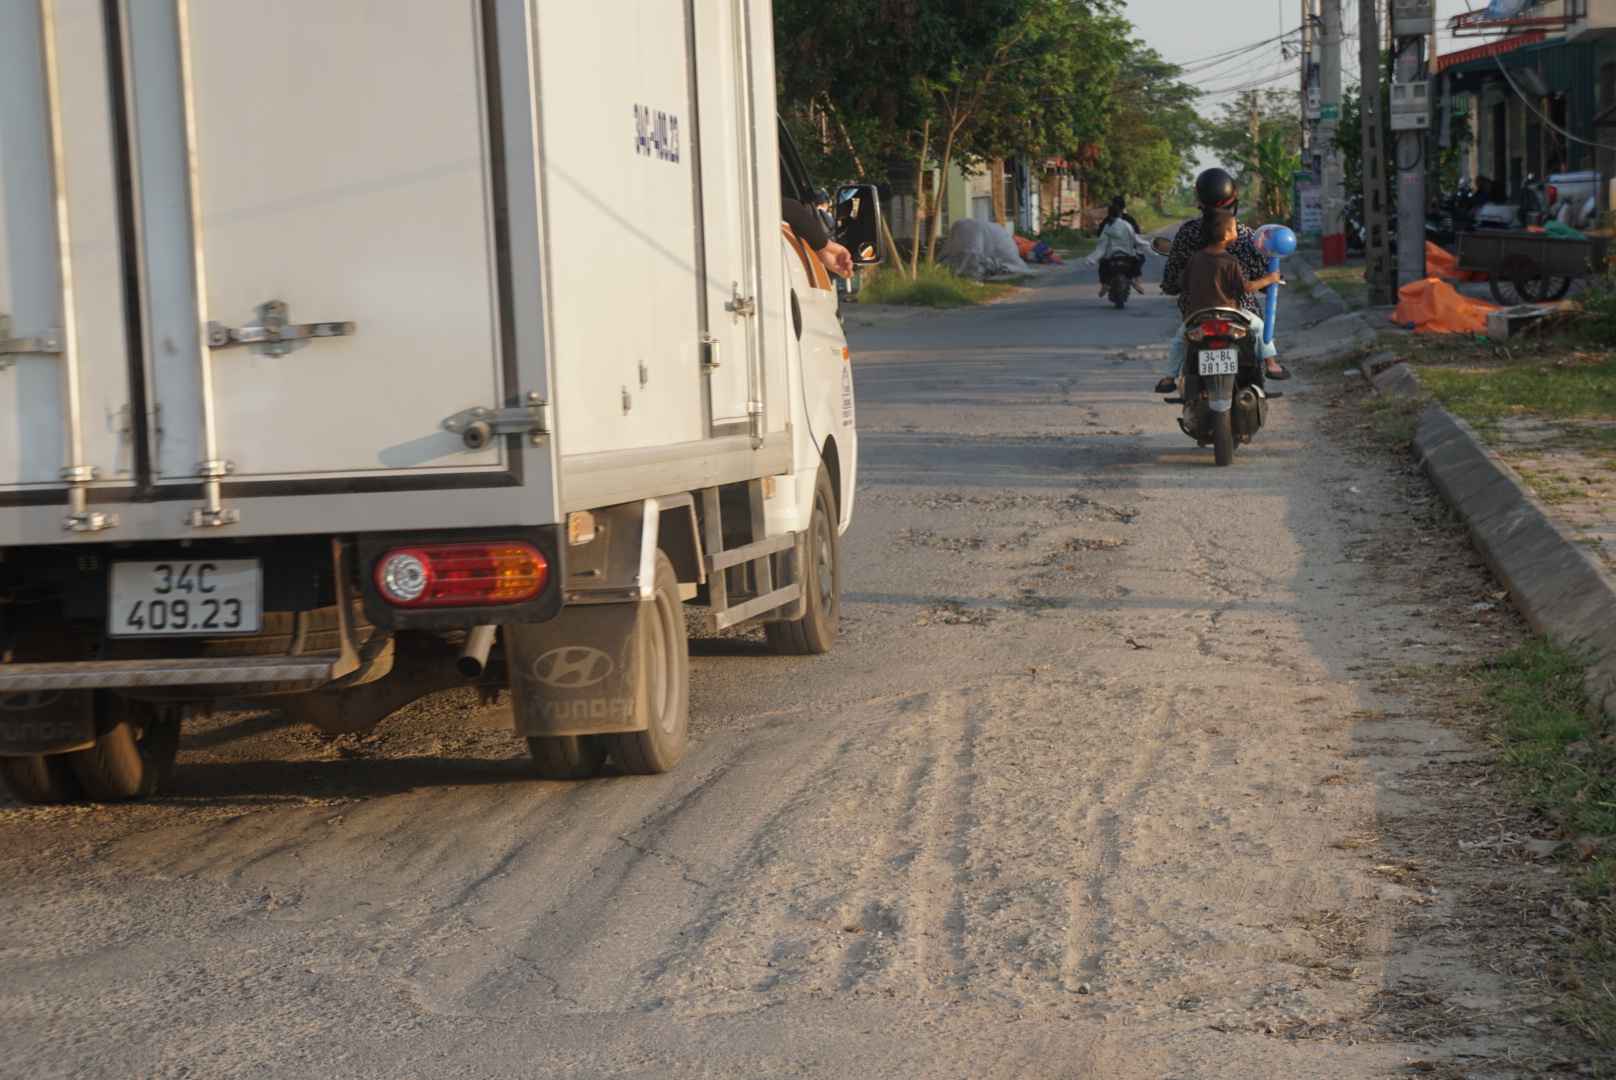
{"x": 1492, "y": 48}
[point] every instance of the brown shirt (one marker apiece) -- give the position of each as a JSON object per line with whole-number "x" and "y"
{"x": 1212, "y": 279}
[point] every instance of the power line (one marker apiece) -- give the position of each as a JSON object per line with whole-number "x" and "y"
{"x": 1218, "y": 57}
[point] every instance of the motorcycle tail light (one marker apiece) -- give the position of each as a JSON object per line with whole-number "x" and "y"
{"x": 1554, "y": 194}
{"x": 1215, "y": 328}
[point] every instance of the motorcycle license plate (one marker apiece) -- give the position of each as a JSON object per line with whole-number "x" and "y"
{"x": 1220, "y": 361}
{"x": 185, "y": 598}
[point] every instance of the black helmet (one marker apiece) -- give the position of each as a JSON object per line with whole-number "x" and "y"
{"x": 1215, "y": 188}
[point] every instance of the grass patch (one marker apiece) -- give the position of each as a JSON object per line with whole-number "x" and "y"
{"x": 1394, "y": 418}
{"x": 1347, "y": 281}
{"x": 934, "y": 286}
{"x": 1554, "y": 487}
{"x": 1150, "y": 219}
{"x": 1563, "y": 765}
{"x": 1562, "y": 384}
{"x": 1069, "y": 242}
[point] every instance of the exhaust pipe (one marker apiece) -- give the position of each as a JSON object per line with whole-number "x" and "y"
{"x": 474, "y": 654}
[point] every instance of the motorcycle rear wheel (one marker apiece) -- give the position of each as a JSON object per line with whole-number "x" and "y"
{"x": 1223, "y": 438}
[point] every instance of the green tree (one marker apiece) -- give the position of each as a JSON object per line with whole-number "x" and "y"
{"x": 1152, "y": 129}
{"x": 885, "y": 88}
{"x": 1248, "y": 123}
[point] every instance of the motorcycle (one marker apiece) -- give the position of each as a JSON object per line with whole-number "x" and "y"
{"x": 1529, "y": 208}
{"x": 1118, "y": 271}
{"x": 1225, "y": 396}
{"x": 1224, "y": 391}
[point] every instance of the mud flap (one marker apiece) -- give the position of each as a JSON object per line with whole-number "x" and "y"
{"x": 46, "y": 722}
{"x": 583, "y": 672}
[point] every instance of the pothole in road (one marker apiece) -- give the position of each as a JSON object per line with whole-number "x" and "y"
{"x": 955, "y": 613}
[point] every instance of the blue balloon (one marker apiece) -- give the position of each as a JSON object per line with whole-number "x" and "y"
{"x": 1276, "y": 241}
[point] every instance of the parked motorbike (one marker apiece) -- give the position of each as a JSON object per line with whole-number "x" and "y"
{"x": 1454, "y": 214}
{"x": 1530, "y": 207}
{"x": 1118, "y": 271}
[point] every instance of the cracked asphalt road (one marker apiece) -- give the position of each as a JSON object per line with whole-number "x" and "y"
{"x": 1069, "y": 799}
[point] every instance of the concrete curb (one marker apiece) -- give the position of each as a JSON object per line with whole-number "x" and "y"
{"x": 1560, "y": 588}
{"x": 1345, "y": 332}
{"x": 1311, "y": 279}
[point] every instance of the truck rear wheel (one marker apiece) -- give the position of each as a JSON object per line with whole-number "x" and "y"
{"x": 134, "y": 757}
{"x": 40, "y": 779}
{"x": 567, "y": 757}
{"x": 815, "y": 632}
{"x": 666, "y": 670}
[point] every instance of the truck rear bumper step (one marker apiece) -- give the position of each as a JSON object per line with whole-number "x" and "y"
{"x": 114, "y": 674}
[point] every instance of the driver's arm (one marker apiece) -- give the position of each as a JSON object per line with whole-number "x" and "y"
{"x": 805, "y": 223}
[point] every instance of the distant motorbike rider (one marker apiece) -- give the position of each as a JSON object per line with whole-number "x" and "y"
{"x": 1215, "y": 190}
{"x": 1119, "y": 238}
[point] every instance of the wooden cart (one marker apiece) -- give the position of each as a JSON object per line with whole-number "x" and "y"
{"x": 1528, "y": 267}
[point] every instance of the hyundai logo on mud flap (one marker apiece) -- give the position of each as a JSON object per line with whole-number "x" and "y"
{"x": 572, "y": 667}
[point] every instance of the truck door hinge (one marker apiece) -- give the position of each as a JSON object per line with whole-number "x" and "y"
{"x": 48, "y": 343}
{"x": 80, "y": 518}
{"x": 213, "y": 514}
{"x": 709, "y": 353}
{"x": 478, "y": 427}
{"x": 742, "y": 307}
{"x": 273, "y": 334}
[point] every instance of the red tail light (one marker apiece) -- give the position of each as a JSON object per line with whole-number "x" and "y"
{"x": 1215, "y": 328}
{"x": 1554, "y": 194}
{"x": 461, "y": 575}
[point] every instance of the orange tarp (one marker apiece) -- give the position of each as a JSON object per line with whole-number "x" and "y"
{"x": 1440, "y": 263}
{"x": 1432, "y": 306}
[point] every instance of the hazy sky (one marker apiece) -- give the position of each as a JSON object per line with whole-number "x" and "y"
{"x": 1185, "y": 31}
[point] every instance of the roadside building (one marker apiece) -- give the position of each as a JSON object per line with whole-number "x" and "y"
{"x": 1539, "y": 87}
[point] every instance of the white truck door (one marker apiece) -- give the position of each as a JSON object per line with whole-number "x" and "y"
{"x": 729, "y": 207}
{"x": 322, "y": 169}
{"x": 65, "y": 405}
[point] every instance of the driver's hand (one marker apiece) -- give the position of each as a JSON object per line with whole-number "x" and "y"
{"x": 837, "y": 259}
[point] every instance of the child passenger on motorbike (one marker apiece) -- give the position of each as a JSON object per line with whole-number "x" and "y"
{"x": 1212, "y": 278}
{"x": 1215, "y": 189}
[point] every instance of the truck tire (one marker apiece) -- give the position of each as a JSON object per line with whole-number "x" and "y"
{"x": 40, "y": 779}
{"x": 1223, "y": 438}
{"x": 134, "y": 757}
{"x": 815, "y": 632}
{"x": 662, "y": 744}
{"x": 567, "y": 757}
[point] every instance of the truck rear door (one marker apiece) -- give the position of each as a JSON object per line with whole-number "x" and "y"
{"x": 337, "y": 176}
{"x": 65, "y": 400}
{"x": 276, "y": 253}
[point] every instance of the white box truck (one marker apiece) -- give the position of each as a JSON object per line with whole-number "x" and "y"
{"x": 350, "y": 349}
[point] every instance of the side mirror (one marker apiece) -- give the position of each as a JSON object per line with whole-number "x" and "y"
{"x": 1161, "y": 245}
{"x": 858, "y": 222}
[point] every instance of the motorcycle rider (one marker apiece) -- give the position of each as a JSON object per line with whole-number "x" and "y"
{"x": 1119, "y": 235}
{"x": 1215, "y": 190}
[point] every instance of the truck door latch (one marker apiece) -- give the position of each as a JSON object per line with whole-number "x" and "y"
{"x": 479, "y": 426}
{"x": 273, "y": 334}
{"x": 11, "y": 348}
{"x": 740, "y": 306}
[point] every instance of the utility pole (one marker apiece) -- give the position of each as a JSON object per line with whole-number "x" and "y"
{"x": 1410, "y": 171}
{"x": 1333, "y": 178}
{"x": 1254, "y": 132}
{"x": 1412, "y": 23}
{"x": 1377, "y": 253}
{"x": 1307, "y": 82}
